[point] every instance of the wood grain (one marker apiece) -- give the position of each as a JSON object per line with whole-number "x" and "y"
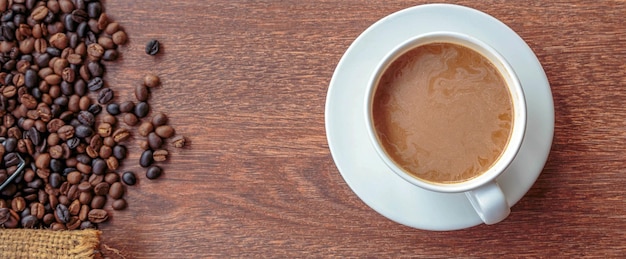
{"x": 246, "y": 82}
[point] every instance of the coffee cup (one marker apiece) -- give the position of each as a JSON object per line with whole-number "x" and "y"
{"x": 446, "y": 112}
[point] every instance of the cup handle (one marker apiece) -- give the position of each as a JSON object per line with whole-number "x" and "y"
{"x": 489, "y": 202}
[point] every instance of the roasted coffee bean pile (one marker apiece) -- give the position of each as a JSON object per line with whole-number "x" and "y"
{"x": 59, "y": 115}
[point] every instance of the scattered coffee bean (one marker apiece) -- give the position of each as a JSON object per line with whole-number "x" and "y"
{"x": 160, "y": 155}
{"x": 152, "y": 47}
{"x": 151, "y": 80}
{"x": 146, "y": 158}
{"x": 145, "y": 128}
{"x": 154, "y": 141}
{"x": 141, "y": 109}
{"x": 98, "y": 215}
{"x": 119, "y": 204}
{"x": 128, "y": 178}
{"x": 113, "y": 109}
{"x": 159, "y": 119}
{"x": 119, "y": 152}
{"x": 178, "y": 141}
{"x": 164, "y": 131}
{"x": 153, "y": 172}
{"x": 127, "y": 106}
{"x": 116, "y": 191}
{"x": 130, "y": 119}
{"x": 141, "y": 93}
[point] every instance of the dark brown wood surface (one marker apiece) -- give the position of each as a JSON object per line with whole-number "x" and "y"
{"x": 246, "y": 82}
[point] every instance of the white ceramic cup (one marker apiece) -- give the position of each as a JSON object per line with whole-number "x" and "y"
{"x": 482, "y": 191}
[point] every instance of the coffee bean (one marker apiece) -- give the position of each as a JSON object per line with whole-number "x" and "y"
{"x": 55, "y": 180}
{"x": 154, "y": 141}
{"x": 130, "y": 119}
{"x": 141, "y": 93}
{"x": 94, "y": 9}
{"x": 95, "y": 84}
{"x": 120, "y": 135}
{"x": 72, "y": 143}
{"x": 105, "y": 150}
{"x": 79, "y": 15}
{"x": 110, "y": 119}
{"x": 160, "y": 155}
{"x": 119, "y": 204}
{"x": 129, "y": 178}
{"x": 74, "y": 207}
{"x": 38, "y": 210}
{"x": 119, "y": 37}
{"x": 159, "y": 119}
{"x": 85, "y": 187}
{"x": 86, "y": 118}
{"x": 153, "y": 172}
{"x": 83, "y": 131}
{"x": 152, "y": 47}
{"x": 151, "y": 80}
{"x": 34, "y": 136}
{"x": 146, "y": 158}
{"x": 74, "y": 177}
{"x": 95, "y": 109}
{"x": 86, "y": 225}
{"x": 29, "y": 221}
{"x": 104, "y": 129}
{"x": 111, "y": 178}
{"x": 85, "y": 197}
{"x": 110, "y": 55}
{"x": 30, "y": 78}
{"x": 164, "y": 131}
{"x": 98, "y": 202}
{"x": 98, "y": 216}
{"x": 18, "y": 204}
{"x": 62, "y": 214}
{"x": 111, "y": 28}
{"x": 119, "y": 152}
{"x": 101, "y": 188}
{"x": 105, "y": 96}
{"x": 98, "y": 166}
{"x": 127, "y": 106}
{"x": 145, "y": 128}
{"x": 116, "y": 190}
{"x": 113, "y": 109}
{"x": 5, "y": 215}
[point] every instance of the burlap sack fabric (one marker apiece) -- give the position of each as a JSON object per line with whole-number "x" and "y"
{"x": 42, "y": 243}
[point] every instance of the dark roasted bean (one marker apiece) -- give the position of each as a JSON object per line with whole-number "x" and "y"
{"x": 129, "y": 178}
{"x": 154, "y": 141}
{"x": 95, "y": 84}
{"x": 86, "y": 118}
{"x": 62, "y": 214}
{"x": 141, "y": 109}
{"x": 95, "y": 109}
{"x": 119, "y": 152}
{"x": 105, "y": 96}
{"x": 152, "y": 47}
{"x": 153, "y": 172}
{"x": 146, "y": 158}
{"x": 113, "y": 108}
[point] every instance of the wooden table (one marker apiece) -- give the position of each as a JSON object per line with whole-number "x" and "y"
{"x": 246, "y": 82}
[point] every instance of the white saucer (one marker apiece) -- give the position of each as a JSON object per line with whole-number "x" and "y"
{"x": 366, "y": 173}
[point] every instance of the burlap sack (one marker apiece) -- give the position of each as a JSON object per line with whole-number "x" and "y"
{"x": 42, "y": 243}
